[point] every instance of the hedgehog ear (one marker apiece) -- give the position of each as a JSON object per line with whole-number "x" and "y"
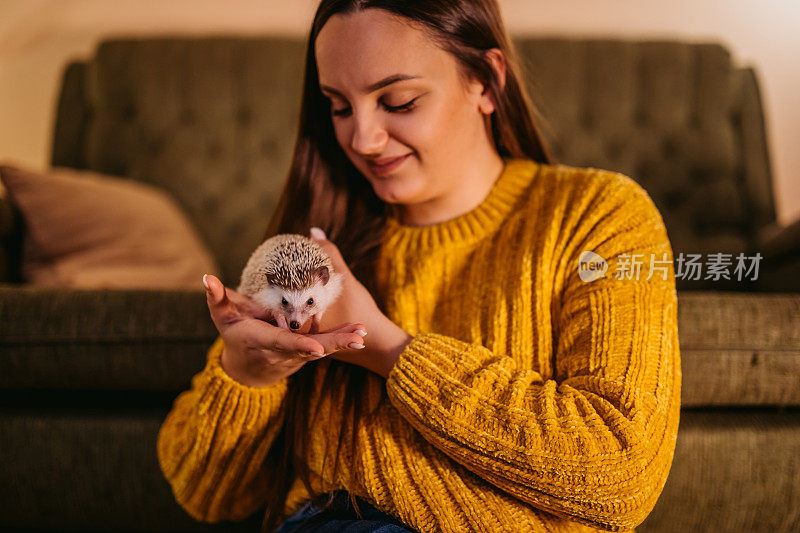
{"x": 323, "y": 274}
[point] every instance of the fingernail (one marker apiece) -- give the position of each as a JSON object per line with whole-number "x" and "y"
{"x": 318, "y": 233}
{"x": 355, "y": 345}
{"x": 361, "y": 332}
{"x": 205, "y": 282}
{"x": 317, "y": 354}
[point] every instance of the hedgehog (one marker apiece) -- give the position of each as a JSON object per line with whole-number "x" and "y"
{"x": 291, "y": 276}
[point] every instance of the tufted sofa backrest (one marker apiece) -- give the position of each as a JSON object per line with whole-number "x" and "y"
{"x": 213, "y": 121}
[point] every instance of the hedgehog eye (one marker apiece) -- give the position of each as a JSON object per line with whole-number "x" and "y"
{"x": 310, "y": 301}
{"x": 284, "y": 302}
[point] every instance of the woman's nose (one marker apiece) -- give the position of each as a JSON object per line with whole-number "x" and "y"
{"x": 369, "y": 136}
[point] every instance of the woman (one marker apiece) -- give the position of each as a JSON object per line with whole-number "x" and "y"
{"x": 502, "y": 386}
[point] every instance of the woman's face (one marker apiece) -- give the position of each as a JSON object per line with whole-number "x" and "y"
{"x": 395, "y": 94}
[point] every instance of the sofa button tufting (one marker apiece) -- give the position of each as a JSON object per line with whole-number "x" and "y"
{"x": 244, "y": 116}
{"x": 614, "y": 149}
{"x": 697, "y": 176}
{"x": 128, "y": 113}
{"x": 214, "y": 149}
{"x": 155, "y": 146}
{"x": 669, "y": 148}
{"x": 640, "y": 118}
{"x": 188, "y": 116}
{"x": 674, "y": 199}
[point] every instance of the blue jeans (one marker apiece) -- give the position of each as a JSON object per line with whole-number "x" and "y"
{"x": 341, "y": 517}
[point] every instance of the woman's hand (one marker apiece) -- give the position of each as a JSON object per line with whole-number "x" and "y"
{"x": 355, "y": 305}
{"x": 259, "y": 354}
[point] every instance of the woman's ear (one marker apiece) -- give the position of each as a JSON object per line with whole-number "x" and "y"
{"x": 498, "y": 63}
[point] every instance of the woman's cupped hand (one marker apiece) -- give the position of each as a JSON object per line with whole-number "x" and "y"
{"x": 257, "y": 353}
{"x": 385, "y": 340}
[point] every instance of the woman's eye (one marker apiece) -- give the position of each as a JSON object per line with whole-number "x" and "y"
{"x": 408, "y": 106}
{"x": 310, "y": 301}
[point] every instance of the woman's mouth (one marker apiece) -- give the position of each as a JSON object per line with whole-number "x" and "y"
{"x": 388, "y": 165}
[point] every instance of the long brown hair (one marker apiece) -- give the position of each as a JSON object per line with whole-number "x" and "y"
{"x": 325, "y": 189}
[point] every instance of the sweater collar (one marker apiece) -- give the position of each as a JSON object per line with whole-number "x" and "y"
{"x": 473, "y": 225}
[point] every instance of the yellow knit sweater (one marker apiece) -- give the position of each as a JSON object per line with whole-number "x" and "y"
{"x": 528, "y": 399}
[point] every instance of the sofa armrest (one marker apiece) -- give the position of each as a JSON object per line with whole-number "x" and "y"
{"x": 778, "y": 241}
{"x": 153, "y": 340}
{"x": 780, "y": 251}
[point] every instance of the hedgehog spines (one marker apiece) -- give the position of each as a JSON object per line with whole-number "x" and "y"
{"x": 292, "y": 261}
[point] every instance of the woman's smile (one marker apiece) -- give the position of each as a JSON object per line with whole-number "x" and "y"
{"x": 386, "y": 166}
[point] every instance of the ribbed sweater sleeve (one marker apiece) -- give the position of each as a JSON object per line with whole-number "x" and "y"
{"x": 595, "y": 443}
{"x": 212, "y": 444}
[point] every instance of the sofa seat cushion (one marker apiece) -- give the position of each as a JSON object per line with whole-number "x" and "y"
{"x": 739, "y": 348}
{"x": 732, "y": 471}
{"x": 91, "y": 469}
{"x": 102, "y": 339}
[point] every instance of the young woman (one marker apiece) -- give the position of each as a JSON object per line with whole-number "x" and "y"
{"x": 514, "y": 374}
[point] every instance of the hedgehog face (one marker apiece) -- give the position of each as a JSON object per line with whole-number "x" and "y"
{"x": 296, "y": 306}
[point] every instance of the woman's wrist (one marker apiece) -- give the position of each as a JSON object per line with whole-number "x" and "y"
{"x": 392, "y": 345}
{"x": 241, "y": 376}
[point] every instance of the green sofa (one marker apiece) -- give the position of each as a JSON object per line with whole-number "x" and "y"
{"x": 88, "y": 376}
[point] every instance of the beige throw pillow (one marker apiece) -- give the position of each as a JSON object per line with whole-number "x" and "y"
{"x": 89, "y": 230}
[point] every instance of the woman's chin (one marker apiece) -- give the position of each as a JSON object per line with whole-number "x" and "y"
{"x": 394, "y": 195}
{"x": 399, "y": 187}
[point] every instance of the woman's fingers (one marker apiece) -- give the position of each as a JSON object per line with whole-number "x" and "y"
{"x": 349, "y": 327}
{"x": 340, "y": 338}
{"x": 282, "y": 339}
{"x": 223, "y": 312}
{"x": 227, "y": 306}
{"x": 215, "y": 291}
{"x": 268, "y": 338}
